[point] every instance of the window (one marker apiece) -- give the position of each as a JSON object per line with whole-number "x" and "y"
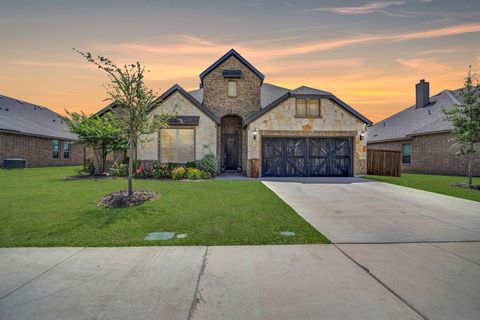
{"x": 66, "y": 149}
{"x": 232, "y": 88}
{"x": 56, "y": 149}
{"x": 307, "y": 107}
{"x": 406, "y": 153}
{"x": 177, "y": 145}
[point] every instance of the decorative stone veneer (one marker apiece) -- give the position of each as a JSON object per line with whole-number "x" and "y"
{"x": 333, "y": 122}
{"x": 205, "y": 132}
{"x": 215, "y": 87}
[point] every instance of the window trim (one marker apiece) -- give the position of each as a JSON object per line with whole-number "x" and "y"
{"x": 409, "y": 156}
{"x": 159, "y": 151}
{"x": 69, "y": 151}
{"x": 228, "y": 89}
{"x": 53, "y": 149}
{"x": 307, "y": 115}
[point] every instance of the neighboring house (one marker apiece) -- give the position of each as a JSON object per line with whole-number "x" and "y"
{"x": 421, "y": 132}
{"x": 36, "y": 134}
{"x": 242, "y": 120}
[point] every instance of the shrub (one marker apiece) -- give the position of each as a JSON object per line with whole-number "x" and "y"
{"x": 178, "y": 173}
{"x": 206, "y": 175}
{"x": 209, "y": 163}
{"x": 160, "y": 171}
{"x": 171, "y": 166}
{"x": 191, "y": 164}
{"x": 118, "y": 170}
{"x": 194, "y": 174}
{"x": 139, "y": 173}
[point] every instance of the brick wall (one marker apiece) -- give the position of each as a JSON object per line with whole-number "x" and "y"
{"x": 37, "y": 151}
{"x": 432, "y": 154}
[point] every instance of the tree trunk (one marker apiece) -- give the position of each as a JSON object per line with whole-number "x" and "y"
{"x": 130, "y": 169}
{"x": 470, "y": 182}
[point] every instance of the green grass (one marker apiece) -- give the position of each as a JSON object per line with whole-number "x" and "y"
{"x": 40, "y": 208}
{"x": 433, "y": 183}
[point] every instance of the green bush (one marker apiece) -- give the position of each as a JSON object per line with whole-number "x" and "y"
{"x": 171, "y": 166}
{"x": 206, "y": 175}
{"x": 161, "y": 171}
{"x": 191, "y": 164}
{"x": 118, "y": 170}
{"x": 194, "y": 174}
{"x": 178, "y": 173}
{"x": 209, "y": 163}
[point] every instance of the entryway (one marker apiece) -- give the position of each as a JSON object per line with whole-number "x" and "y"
{"x": 231, "y": 128}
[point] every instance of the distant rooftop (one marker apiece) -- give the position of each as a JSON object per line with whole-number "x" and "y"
{"x": 416, "y": 120}
{"x": 22, "y": 117}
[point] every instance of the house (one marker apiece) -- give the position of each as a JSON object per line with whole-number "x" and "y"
{"x": 245, "y": 121}
{"x": 36, "y": 134}
{"x": 422, "y": 132}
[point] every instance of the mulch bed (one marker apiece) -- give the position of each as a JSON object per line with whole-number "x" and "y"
{"x": 465, "y": 186}
{"x": 121, "y": 199}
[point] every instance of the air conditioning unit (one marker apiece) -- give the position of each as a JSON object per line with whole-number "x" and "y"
{"x": 14, "y": 163}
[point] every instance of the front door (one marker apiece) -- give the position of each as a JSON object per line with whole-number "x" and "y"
{"x": 231, "y": 143}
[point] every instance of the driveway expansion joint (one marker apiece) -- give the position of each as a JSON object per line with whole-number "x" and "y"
{"x": 383, "y": 284}
{"x": 42, "y": 273}
{"x": 197, "y": 295}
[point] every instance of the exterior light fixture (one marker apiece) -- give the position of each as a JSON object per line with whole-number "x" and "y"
{"x": 255, "y": 134}
{"x": 362, "y": 135}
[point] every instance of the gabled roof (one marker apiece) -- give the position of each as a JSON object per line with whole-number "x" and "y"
{"x": 227, "y": 55}
{"x": 25, "y": 118}
{"x": 271, "y": 96}
{"x": 416, "y": 121}
{"x": 189, "y": 97}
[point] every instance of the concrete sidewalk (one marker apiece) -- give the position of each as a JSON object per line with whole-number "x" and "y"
{"x": 249, "y": 282}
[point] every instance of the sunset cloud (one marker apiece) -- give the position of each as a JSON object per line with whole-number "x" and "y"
{"x": 362, "y": 9}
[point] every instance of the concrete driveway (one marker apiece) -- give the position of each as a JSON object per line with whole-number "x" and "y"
{"x": 354, "y": 210}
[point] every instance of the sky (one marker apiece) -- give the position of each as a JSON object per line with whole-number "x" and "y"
{"x": 368, "y": 53}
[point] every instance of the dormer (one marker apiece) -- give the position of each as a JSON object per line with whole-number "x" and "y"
{"x": 231, "y": 86}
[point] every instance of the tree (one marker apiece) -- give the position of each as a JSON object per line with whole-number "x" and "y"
{"x": 134, "y": 100}
{"x": 465, "y": 119}
{"x": 100, "y": 135}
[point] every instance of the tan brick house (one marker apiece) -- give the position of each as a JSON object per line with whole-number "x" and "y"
{"x": 421, "y": 132}
{"x": 35, "y": 134}
{"x": 243, "y": 120}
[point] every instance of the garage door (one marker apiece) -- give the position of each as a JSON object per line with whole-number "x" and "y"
{"x": 306, "y": 157}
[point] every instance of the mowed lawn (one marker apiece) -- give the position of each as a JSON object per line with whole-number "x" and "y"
{"x": 38, "y": 207}
{"x": 433, "y": 183}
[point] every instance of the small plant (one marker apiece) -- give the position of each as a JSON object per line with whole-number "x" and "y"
{"x": 118, "y": 170}
{"x": 191, "y": 164}
{"x": 209, "y": 163}
{"x": 178, "y": 173}
{"x": 89, "y": 167}
{"x": 171, "y": 166}
{"x": 194, "y": 174}
{"x": 160, "y": 171}
{"x": 206, "y": 175}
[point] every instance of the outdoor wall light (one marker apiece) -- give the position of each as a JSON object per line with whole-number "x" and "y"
{"x": 362, "y": 135}
{"x": 255, "y": 134}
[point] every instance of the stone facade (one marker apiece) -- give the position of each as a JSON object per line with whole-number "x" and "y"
{"x": 37, "y": 151}
{"x": 205, "y": 132}
{"x": 333, "y": 122}
{"x": 215, "y": 88}
{"x": 432, "y": 154}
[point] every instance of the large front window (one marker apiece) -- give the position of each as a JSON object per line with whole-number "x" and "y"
{"x": 66, "y": 149}
{"x": 406, "y": 153}
{"x": 177, "y": 145}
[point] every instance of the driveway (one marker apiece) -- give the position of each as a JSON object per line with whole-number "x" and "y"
{"x": 421, "y": 246}
{"x": 354, "y": 210}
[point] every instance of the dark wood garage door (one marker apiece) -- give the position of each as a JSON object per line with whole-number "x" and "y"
{"x": 306, "y": 157}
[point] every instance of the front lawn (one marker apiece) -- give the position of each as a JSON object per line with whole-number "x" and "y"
{"x": 433, "y": 183}
{"x": 40, "y": 208}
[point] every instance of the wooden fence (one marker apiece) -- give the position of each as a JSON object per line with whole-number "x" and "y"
{"x": 383, "y": 162}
